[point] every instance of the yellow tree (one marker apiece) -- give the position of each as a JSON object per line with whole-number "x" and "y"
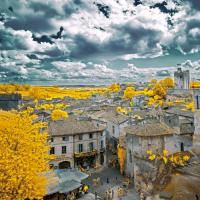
{"x": 159, "y": 91}
{"x": 24, "y": 156}
{"x": 167, "y": 82}
{"x": 115, "y": 87}
{"x": 58, "y": 115}
{"x": 129, "y": 92}
{"x": 121, "y": 153}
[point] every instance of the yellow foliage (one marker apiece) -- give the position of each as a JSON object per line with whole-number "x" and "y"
{"x": 115, "y": 87}
{"x": 152, "y": 157}
{"x": 58, "y": 115}
{"x": 176, "y": 159}
{"x": 24, "y": 155}
{"x": 129, "y": 92}
{"x": 190, "y": 106}
{"x": 149, "y": 152}
{"x": 52, "y": 106}
{"x": 121, "y": 152}
{"x": 123, "y": 110}
{"x": 195, "y": 85}
{"x": 165, "y": 152}
{"x": 167, "y": 82}
{"x": 51, "y": 92}
{"x": 165, "y": 159}
{"x": 159, "y": 90}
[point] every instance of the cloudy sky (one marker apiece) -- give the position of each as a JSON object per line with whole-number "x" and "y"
{"x": 97, "y": 41}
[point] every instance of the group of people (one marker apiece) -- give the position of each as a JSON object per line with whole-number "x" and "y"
{"x": 109, "y": 194}
{"x": 77, "y": 194}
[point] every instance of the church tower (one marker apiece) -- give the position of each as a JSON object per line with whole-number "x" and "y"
{"x": 182, "y": 79}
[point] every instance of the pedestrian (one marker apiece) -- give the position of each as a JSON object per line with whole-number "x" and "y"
{"x": 85, "y": 189}
{"x": 116, "y": 179}
{"x": 95, "y": 195}
{"x": 112, "y": 194}
{"x": 106, "y": 195}
{"x": 107, "y": 180}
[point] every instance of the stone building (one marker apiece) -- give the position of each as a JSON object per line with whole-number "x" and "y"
{"x": 155, "y": 136}
{"x": 182, "y": 79}
{"x": 77, "y": 142}
{"x": 196, "y": 137}
{"x": 10, "y": 101}
{"x": 115, "y": 122}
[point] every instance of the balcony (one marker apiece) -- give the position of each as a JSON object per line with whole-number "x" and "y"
{"x": 85, "y": 154}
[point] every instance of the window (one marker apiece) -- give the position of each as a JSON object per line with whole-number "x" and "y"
{"x": 130, "y": 156}
{"x": 90, "y": 136}
{"x": 80, "y": 137}
{"x": 52, "y": 139}
{"x": 102, "y": 145}
{"x": 64, "y": 149}
{"x": 197, "y": 97}
{"x": 80, "y": 148}
{"x": 113, "y": 129}
{"x": 65, "y": 138}
{"x": 52, "y": 150}
{"x": 91, "y": 146}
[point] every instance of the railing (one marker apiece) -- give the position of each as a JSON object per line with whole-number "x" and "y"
{"x": 85, "y": 154}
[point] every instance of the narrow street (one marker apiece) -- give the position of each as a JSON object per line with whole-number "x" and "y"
{"x": 114, "y": 179}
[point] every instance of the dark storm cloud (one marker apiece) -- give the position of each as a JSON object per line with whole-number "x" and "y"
{"x": 128, "y": 38}
{"x": 137, "y": 2}
{"x": 192, "y": 36}
{"x": 43, "y": 38}
{"x": 195, "y": 4}
{"x": 84, "y": 47}
{"x": 48, "y": 39}
{"x": 162, "y": 7}
{"x": 104, "y": 9}
{"x": 34, "y": 23}
{"x": 9, "y": 42}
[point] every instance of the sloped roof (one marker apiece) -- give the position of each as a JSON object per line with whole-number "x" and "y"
{"x": 72, "y": 126}
{"x": 64, "y": 180}
{"x": 150, "y": 130}
{"x": 180, "y": 112}
{"x": 114, "y": 117}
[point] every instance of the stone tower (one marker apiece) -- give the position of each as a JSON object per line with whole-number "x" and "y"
{"x": 196, "y": 136}
{"x": 182, "y": 79}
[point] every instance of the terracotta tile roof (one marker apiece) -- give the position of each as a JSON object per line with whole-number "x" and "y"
{"x": 72, "y": 126}
{"x": 150, "y": 129}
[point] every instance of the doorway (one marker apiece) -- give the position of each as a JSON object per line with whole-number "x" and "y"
{"x": 64, "y": 165}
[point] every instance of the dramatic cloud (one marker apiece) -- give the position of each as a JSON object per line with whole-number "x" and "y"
{"x": 59, "y": 39}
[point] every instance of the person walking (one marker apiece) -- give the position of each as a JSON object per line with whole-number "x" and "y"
{"x": 106, "y": 195}
{"x": 112, "y": 194}
{"x": 107, "y": 180}
{"x": 96, "y": 197}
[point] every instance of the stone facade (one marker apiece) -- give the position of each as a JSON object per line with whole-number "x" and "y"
{"x": 137, "y": 144}
{"x": 77, "y": 143}
{"x": 10, "y": 101}
{"x": 87, "y": 143}
{"x": 196, "y": 137}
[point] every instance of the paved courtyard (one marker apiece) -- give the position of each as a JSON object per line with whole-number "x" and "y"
{"x": 114, "y": 179}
